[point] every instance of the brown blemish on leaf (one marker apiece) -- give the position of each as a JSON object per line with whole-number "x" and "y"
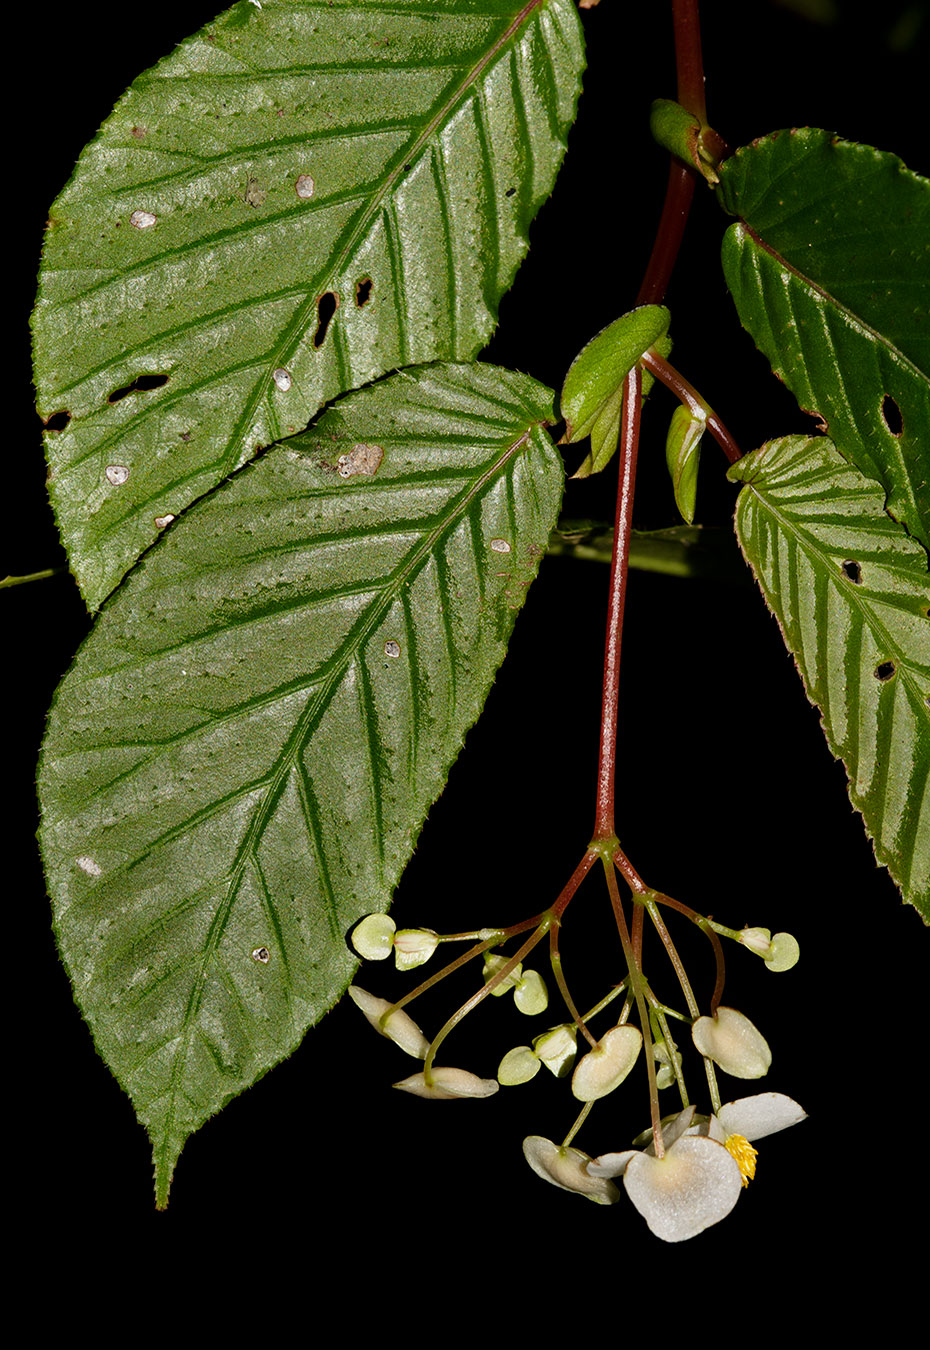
{"x": 361, "y": 458}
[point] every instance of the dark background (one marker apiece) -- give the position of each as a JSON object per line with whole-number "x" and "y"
{"x": 728, "y": 797}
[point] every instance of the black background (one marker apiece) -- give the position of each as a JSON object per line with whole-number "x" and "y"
{"x": 727, "y": 795}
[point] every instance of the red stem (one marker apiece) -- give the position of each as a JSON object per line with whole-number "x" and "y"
{"x": 689, "y": 396}
{"x": 607, "y": 759}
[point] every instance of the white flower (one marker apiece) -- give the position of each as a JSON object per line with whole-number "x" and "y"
{"x": 605, "y": 1067}
{"x": 391, "y": 1022}
{"x": 731, "y": 1040}
{"x": 567, "y": 1169}
{"x": 706, "y": 1165}
{"x": 446, "y": 1084}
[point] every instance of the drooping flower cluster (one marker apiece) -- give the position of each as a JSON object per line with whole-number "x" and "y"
{"x": 688, "y": 1170}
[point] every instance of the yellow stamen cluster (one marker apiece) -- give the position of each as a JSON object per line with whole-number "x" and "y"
{"x": 744, "y": 1155}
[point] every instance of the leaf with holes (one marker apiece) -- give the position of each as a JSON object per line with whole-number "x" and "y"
{"x": 851, "y": 593}
{"x": 300, "y": 198}
{"x": 239, "y": 762}
{"x": 830, "y": 270}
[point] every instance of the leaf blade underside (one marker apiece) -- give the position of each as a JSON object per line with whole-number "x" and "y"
{"x": 240, "y": 760}
{"x": 388, "y": 155}
{"x": 829, "y": 269}
{"x": 851, "y": 593}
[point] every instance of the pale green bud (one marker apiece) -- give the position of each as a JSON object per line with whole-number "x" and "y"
{"x": 391, "y": 1022}
{"x": 784, "y": 952}
{"x": 758, "y": 940}
{"x": 518, "y": 1066}
{"x": 373, "y": 938}
{"x": 530, "y": 994}
{"x": 492, "y": 964}
{"x": 413, "y": 946}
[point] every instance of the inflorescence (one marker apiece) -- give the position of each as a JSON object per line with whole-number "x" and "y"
{"x": 687, "y": 1170}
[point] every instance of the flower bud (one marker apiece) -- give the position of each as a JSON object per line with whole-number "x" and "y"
{"x": 492, "y": 964}
{"x": 446, "y": 1084}
{"x": 530, "y": 995}
{"x": 605, "y": 1067}
{"x": 758, "y": 940}
{"x": 413, "y": 946}
{"x": 391, "y": 1022}
{"x": 518, "y": 1066}
{"x": 557, "y": 1048}
{"x": 374, "y": 937}
{"x": 731, "y": 1041}
{"x": 784, "y": 952}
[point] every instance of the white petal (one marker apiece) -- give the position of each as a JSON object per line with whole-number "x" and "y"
{"x": 755, "y": 1117}
{"x": 518, "y": 1066}
{"x": 396, "y": 1025}
{"x": 447, "y": 1084}
{"x": 530, "y": 994}
{"x": 374, "y": 937}
{"x": 695, "y": 1185}
{"x": 566, "y": 1168}
{"x": 611, "y": 1164}
{"x": 604, "y": 1068}
{"x": 731, "y": 1041}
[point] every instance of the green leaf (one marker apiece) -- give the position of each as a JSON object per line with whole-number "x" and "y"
{"x": 683, "y": 457}
{"x": 384, "y": 156}
{"x": 592, "y": 395}
{"x": 830, "y": 271}
{"x": 240, "y": 760}
{"x": 851, "y": 593}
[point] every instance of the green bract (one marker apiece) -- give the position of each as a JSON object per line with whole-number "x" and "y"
{"x": 239, "y": 762}
{"x": 298, "y": 199}
{"x": 592, "y": 395}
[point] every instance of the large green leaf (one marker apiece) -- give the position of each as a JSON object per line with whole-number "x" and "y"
{"x": 851, "y": 593}
{"x": 240, "y": 760}
{"x": 830, "y": 271}
{"x": 384, "y": 156}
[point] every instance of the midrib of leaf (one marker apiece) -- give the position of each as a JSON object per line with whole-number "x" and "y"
{"x": 853, "y": 321}
{"x": 285, "y": 348}
{"x": 285, "y": 764}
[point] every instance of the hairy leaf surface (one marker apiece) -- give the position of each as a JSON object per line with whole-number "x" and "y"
{"x": 240, "y": 760}
{"x": 303, "y": 196}
{"x": 830, "y": 271}
{"x": 851, "y": 593}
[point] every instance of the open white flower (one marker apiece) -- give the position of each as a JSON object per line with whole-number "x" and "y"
{"x": 731, "y": 1040}
{"x": 391, "y": 1022}
{"x": 446, "y": 1084}
{"x": 567, "y": 1169}
{"x": 696, "y": 1185}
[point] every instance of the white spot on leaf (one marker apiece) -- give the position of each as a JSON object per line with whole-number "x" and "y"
{"x": 86, "y": 864}
{"x": 304, "y": 186}
{"x": 261, "y": 954}
{"x": 360, "y": 459}
{"x": 142, "y": 219}
{"x": 392, "y": 649}
{"x": 116, "y": 474}
{"x": 162, "y": 521}
{"x": 500, "y": 546}
{"x": 282, "y": 379}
